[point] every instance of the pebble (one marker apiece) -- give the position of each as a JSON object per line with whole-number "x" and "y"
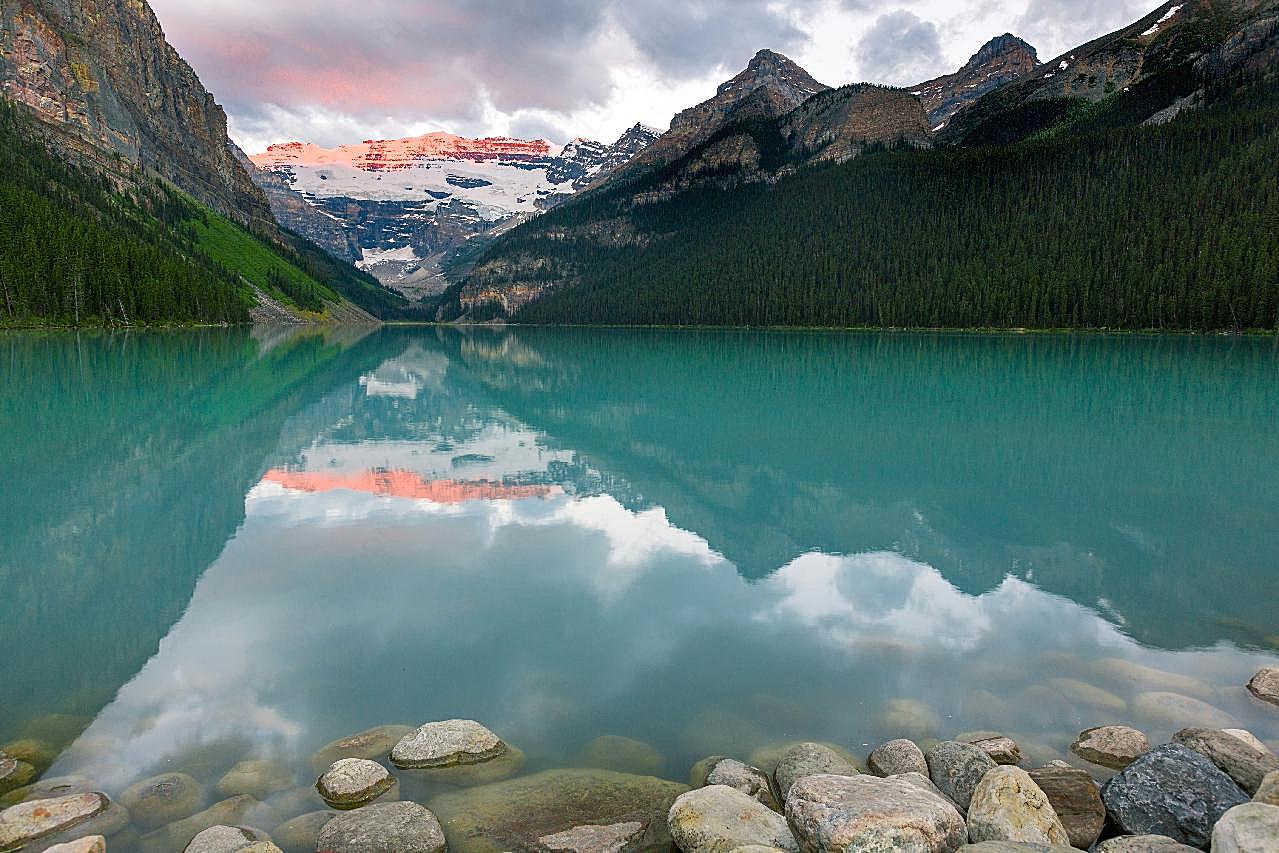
{"x": 1144, "y": 844}
{"x": 1268, "y": 793}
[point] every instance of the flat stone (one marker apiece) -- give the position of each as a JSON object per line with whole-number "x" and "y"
{"x": 1250, "y": 828}
{"x": 1083, "y": 693}
{"x": 174, "y": 836}
{"x": 514, "y": 814}
{"x": 371, "y": 744}
{"x": 897, "y": 757}
{"x": 616, "y": 838}
{"x": 623, "y": 754}
{"x": 353, "y": 782}
{"x": 1171, "y": 790}
{"x": 88, "y": 844}
{"x": 1248, "y": 738}
{"x": 1076, "y": 799}
{"x": 1264, "y": 685}
{"x": 447, "y": 743}
{"x": 909, "y": 718}
{"x": 163, "y": 799}
{"x": 108, "y": 823}
{"x": 809, "y": 759}
{"x": 751, "y": 781}
{"x": 299, "y": 834}
{"x": 861, "y": 814}
{"x": 1242, "y": 762}
{"x": 1111, "y": 746}
{"x": 1177, "y": 711}
{"x": 1268, "y": 793}
{"x": 27, "y": 822}
{"x": 717, "y": 819}
{"x": 1008, "y": 806}
{"x": 1001, "y": 748}
{"x": 256, "y": 777}
{"x": 383, "y": 828}
{"x": 227, "y": 839}
{"x": 1144, "y": 844}
{"x": 956, "y": 768}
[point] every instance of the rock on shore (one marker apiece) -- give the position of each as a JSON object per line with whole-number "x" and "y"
{"x": 1007, "y": 805}
{"x": 718, "y": 819}
{"x": 957, "y": 768}
{"x": 843, "y": 814}
{"x": 398, "y": 827}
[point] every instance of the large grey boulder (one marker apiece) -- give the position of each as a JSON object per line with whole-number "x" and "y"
{"x": 809, "y": 759}
{"x": 862, "y": 814}
{"x": 1265, "y": 685}
{"x": 1241, "y": 761}
{"x": 446, "y": 743}
{"x": 1174, "y": 791}
{"x": 897, "y": 757}
{"x": 1111, "y": 746}
{"x": 27, "y": 822}
{"x": 717, "y": 819}
{"x": 1144, "y": 844}
{"x": 1250, "y": 828}
{"x": 383, "y": 828}
{"x": 956, "y": 768}
{"x": 230, "y": 839}
{"x": 751, "y": 781}
{"x": 352, "y": 782}
{"x": 1076, "y": 799}
{"x": 162, "y": 799}
{"x": 255, "y": 777}
{"x": 1008, "y": 806}
{"x": 299, "y": 834}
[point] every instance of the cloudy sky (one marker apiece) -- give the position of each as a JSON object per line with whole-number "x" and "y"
{"x": 335, "y": 71}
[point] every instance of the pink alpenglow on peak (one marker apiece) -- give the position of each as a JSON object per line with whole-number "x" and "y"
{"x": 392, "y": 155}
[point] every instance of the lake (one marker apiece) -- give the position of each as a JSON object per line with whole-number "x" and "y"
{"x": 225, "y": 544}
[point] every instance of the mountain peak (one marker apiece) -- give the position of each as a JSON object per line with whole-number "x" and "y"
{"x": 1000, "y": 61}
{"x": 769, "y": 68}
{"x": 1002, "y": 46}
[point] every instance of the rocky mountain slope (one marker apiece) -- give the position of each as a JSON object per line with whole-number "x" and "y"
{"x": 409, "y": 210}
{"x": 1182, "y": 55}
{"x": 1000, "y": 61}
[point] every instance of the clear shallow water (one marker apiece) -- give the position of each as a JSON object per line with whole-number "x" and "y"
{"x": 214, "y": 545}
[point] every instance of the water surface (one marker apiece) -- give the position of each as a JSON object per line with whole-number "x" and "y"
{"x": 220, "y": 544}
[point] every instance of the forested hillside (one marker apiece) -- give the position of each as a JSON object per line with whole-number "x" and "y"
{"x": 1165, "y": 227}
{"x": 75, "y": 251}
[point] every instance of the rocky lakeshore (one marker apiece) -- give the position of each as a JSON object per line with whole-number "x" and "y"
{"x": 457, "y": 786}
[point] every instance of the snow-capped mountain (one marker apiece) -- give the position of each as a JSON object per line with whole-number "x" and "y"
{"x": 416, "y": 207}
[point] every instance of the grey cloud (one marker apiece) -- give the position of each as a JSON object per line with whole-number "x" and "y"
{"x": 899, "y": 48}
{"x": 1063, "y": 24}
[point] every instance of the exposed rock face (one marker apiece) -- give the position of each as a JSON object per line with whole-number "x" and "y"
{"x": 402, "y": 827}
{"x": 1172, "y": 791}
{"x": 1009, "y": 806}
{"x": 839, "y": 124}
{"x": 717, "y": 819}
{"x": 843, "y": 814}
{"x": 1000, "y": 61}
{"x": 114, "y": 94}
{"x": 1243, "y": 762}
{"x": 1076, "y": 799}
{"x": 292, "y": 210}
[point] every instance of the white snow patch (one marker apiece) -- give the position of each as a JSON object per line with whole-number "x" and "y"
{"x": 1064, "y": 65}
{"x": 1168, "y": 16}
{"x": 939, "y": 127}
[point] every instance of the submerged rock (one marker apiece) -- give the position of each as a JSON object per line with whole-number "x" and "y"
{"x": 1001, "y": 748}
{"x": 1176, "y": 711}
{"x": 1083, "y": 693}
{"x": 809, "y": 759}
{"x": 1127, "y": 673}
{"x": 370, "y": 744}
{"x": 897, "y": 757}
{"x": 1008, "y": 806}
{"x": 352, "y": 782}
{"x": 50, "y": 789}
{"x": 844, "y": 814}
{"x": 718, "y": 819}
{"x": 910, "y": 718}
{"x": 383, "y": 828}
{"x": 957, "y": 768}
{"x": 60, "y": 730}
{"x": 1241, "y": 761}
{"x": 623, "y": 754}
{"x": 1250, "y": 828}
{"x": 504, "y": 766}
{"x": 617, "y": 838}
{"x": 14, "y": 773}
{"x": 1264, "y": 685}
{"x": 229, "y": 839}
{"x": 163, "y": 799}
{"x": 1172, "y": 791}
{"x": 1111, "y": 746}
{"x": 109, "y": 823}
{"x": 256, "y": 777}
{"x": 1076, "y": 799}
{"x": 445, "y": 744}
{"x": 751, "y": 781}
{"x": 514, "y": 814}
{"x": 38, "y": 753}
{"x": 174, "y": 836}
{"x": 299, "y": 834}
{"x": 37, "y": 819}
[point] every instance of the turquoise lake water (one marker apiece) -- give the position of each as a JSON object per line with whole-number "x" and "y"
{"x": 221, "y": 544}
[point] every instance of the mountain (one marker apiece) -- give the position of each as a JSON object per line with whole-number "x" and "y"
{"x": 1059, "y": 199}
{"x": 1175, "y": 58}
{"x": 126, "y": 202}
{"x": 1000, "y": 61}
{"x": 411, "y": 210}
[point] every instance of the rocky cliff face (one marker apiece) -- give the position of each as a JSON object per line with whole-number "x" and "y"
{"x": 999, "y": 62}
{"x": 111, "y": 92}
